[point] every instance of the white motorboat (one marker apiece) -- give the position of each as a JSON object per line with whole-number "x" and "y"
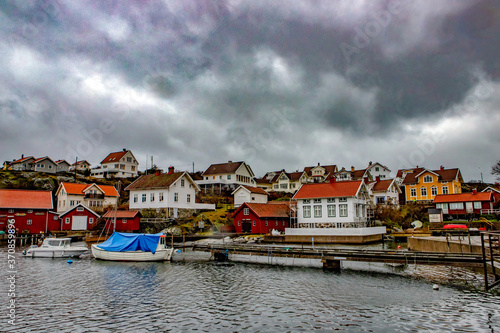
{"x": 133, "y": 247}
{"x": 55, "y": 248}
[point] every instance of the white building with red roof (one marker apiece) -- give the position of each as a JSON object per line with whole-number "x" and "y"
{"x": 336, "y": 204}
{"x": 93, "y": 196}
{"x": 384, "y": 192}
{"x": 80, "y": 166}
{"x": 245, "y": 193}
{"x": 120, "y": 164}
{"x": 465, "y": 203}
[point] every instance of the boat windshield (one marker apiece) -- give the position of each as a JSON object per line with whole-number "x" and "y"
{"x": 54, "y": 242}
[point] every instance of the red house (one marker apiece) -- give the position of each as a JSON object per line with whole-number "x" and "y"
{"x": 261, "y": 218}
{"x": 495, "y": 190}
{"x": 78, "y": 218}
{"x": 126, "y": 220}
{"x": 464, "y": 203}
{"x": 30, "y": 211}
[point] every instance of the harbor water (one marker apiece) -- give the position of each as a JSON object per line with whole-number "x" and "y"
{"x": 194, "y": 294}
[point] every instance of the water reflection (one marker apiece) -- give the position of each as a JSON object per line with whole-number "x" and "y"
{"x": 99, "y": 296}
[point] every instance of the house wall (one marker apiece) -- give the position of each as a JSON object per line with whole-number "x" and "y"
{"x": 46, "y": 166}
{"x": 326, "y": 221}
{"x": 242, "y": 196}
{"x": 260, "y": 226}
{"x": 67, "y": 219}
{"x": 392, "y": 196}
{"x": 382, "y": 172}
{"x": 453, "y": 187}
{"x": 132, "y": 224}
{"x": 446, "y": 209}
{"x": 64, "y": 201}
{"x": 41, "y": 220}
{"x": 24, "y": 166}
{"x": 62, "y": 167}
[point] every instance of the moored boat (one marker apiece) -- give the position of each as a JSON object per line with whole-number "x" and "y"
{"x": 133, "y": 247}
{"x": 55, "y": 248}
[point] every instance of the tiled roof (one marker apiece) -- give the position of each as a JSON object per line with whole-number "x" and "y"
{"x": 447, "y": 174}
{"x": 444, "y": 175}
{"x": 262, "y": 181}
{"x": 328, "y": 169}
{"x": 229, "y": 167}
{"x": 79, "y": 189}
{"x": 294, "y": 176}
{"x": 329, "y": 190}
{"x": 410, "y": 177}
{"x": 114, "y": 157}
{"x": 79, "y": 205}
{"x": 358, "y": 174}
{"x": 267, "y": 210}
{"x": 463, "y": 197}
{"x": 256, "y": 190}
{"x": 163, "y": 180}
{"x": 23, "y": 159}
{"x": 25, "y": 199}
{"x": 382, "y": 185}
{"x": 121, "y": 214}
{"x": 80, "y": 162}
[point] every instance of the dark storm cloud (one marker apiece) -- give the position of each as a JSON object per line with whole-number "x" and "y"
{"x": 258, "y": 80}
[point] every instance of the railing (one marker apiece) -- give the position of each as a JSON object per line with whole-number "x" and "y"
{"x": 490, "y": 211}
{"x": 94, "y": 196}
{"x": 490, "y": 243}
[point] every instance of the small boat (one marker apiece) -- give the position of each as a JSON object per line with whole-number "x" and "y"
{"x": 55, "y": 248}
{"x": 123, "y": 246}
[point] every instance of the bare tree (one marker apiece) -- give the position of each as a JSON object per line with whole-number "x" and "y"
{"x": 495, "y": 170}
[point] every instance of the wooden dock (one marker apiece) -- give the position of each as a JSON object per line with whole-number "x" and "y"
{"x": 331, "y": 258}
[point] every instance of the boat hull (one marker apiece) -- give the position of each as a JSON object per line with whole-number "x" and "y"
{"x": 159, "y": 255}
{"x": 56, "y": 253}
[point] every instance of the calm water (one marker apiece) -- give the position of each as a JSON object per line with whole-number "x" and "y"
{"x": 195, "y": 295}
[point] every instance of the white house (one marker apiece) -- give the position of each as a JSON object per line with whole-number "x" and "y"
{"x": 378, "y": 170}
{"x": 250, "y": 194}
{"x": 336, "y": 204}
{"x": 319, "y": 173}
{"x": 171, "y": 191}
{"x": 62, "y": 166}
{"x": 353, "y": 174}
{"x": 384, "y": 191}
{"x": 121, "y": 164}
{"x": 225, "y": 176}
{"x": 45, "y": 164}
{"x": 80, "y": 166}
{"x": 93, "y": 196}
{"x": 23, "y": 164}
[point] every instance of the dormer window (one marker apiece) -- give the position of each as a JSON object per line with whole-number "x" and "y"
{"x": 428, "y": 179}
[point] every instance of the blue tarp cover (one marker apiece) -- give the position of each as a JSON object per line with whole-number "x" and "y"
{"x": 122, "y": 242}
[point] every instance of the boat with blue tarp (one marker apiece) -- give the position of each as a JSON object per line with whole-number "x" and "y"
{"x": 123, "y": 246}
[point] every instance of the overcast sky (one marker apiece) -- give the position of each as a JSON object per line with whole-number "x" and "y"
{"x": 279, "y": 84}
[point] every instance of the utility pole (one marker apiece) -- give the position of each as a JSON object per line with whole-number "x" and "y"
{"x": 76, "y": 166}
{"x": 193, "y": 167}
{"x": 146, "y": 164}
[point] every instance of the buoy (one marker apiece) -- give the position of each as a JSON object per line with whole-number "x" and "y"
{"x": 178, "y": 251}
{"x": 70, "y": 261}
{"x": 399, "y": 247}
{"x": 435, "y": 287}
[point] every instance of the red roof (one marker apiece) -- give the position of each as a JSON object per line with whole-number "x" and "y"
{"x": 79, "y": 189}
{"x": 382, "y": 185}
{"x": 266, "y": 210}
{"x": 329, "y": 190}
{"x": 463, "y": 197}
{"x": 79, "y": 162}
{"x": 257, "y": 190}
{"x": 229, "y": 167}
{"x": 120, "y": 214}
{"x": 26, "y": 199}
{"x": 114, "y": 157}
{"x": 23, "y": 159}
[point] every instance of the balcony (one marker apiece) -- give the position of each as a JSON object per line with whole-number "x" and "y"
{"x": 94, "y": 196}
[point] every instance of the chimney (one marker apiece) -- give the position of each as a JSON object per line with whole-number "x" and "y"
{"x": 370, "y": 163}
{"x": 366, "y": 180}
{"x": 474, "y": 191}
{"x": 157, "y": 173}
{"x": 377, "y": 178}
{"x": 352, "y": 168}
{"x": 333, "y": 179}
{"x": 22, "y": 156}
{"x": 124, "y": 149}
{"x": 318, "y": 163}
{"x": 171, "y": 170}
{"x": 442, "y": 167}
{"x": 229, "y": 161}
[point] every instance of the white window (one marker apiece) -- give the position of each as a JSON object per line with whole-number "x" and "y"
{"x": 152, "y": 197}
{"x": 188, "y": 198}
{"x": 423, "y": 191}
{"x": 428, "y": 179}
{"x": 246, "y": 211}
{"x": 442, "y": 206}
{"x": 266, "y": 223}
{"x": 413, "y": 192}
{"x": 30, "y": 210}
{"x": 284, "y": 186}
{"x": 176, "y": 197}
{"x": 456, "y": 205}
{"x": 67, "y": 220}
{"x": 342, "y": 199}
{"x": 332, "y": 211}
{"x": 307, "y": 201}
{"x": 124, "y": 220}
{"x": 182, "y": 182}
{"x": 276, "y": 187}
{"x": 317, "y": 211}
{"x": 317, "y": 200}
{"x": 330, "y": 200}
{"x": 136, "y": 197}
{"x": 434, "y": 191}
{"x": 91, "y": 220}
{"x": 28, "y": 222}
{"x": 239, "y": 223}
{"x": 307, "y": 211}
{"x": 229, "y": 177}
{"x": 253, "y": 223}
{"x": 144, "y": 197}
{"x": 11, "y": 211}
{"x": 343, "y": 210}
{"x": 72, "y": 203}
{"x": 160, "y": 196}
{"x": 80, "y": 209}
{"x": 445, "y": 189}
{"x": 477, "y": 205}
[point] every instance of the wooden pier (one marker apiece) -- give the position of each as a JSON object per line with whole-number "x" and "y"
{"x": 490, "y": 244}
{"x": 331, "y": 258}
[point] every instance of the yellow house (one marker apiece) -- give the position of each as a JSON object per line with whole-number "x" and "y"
{"x": 422, "y": 185}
